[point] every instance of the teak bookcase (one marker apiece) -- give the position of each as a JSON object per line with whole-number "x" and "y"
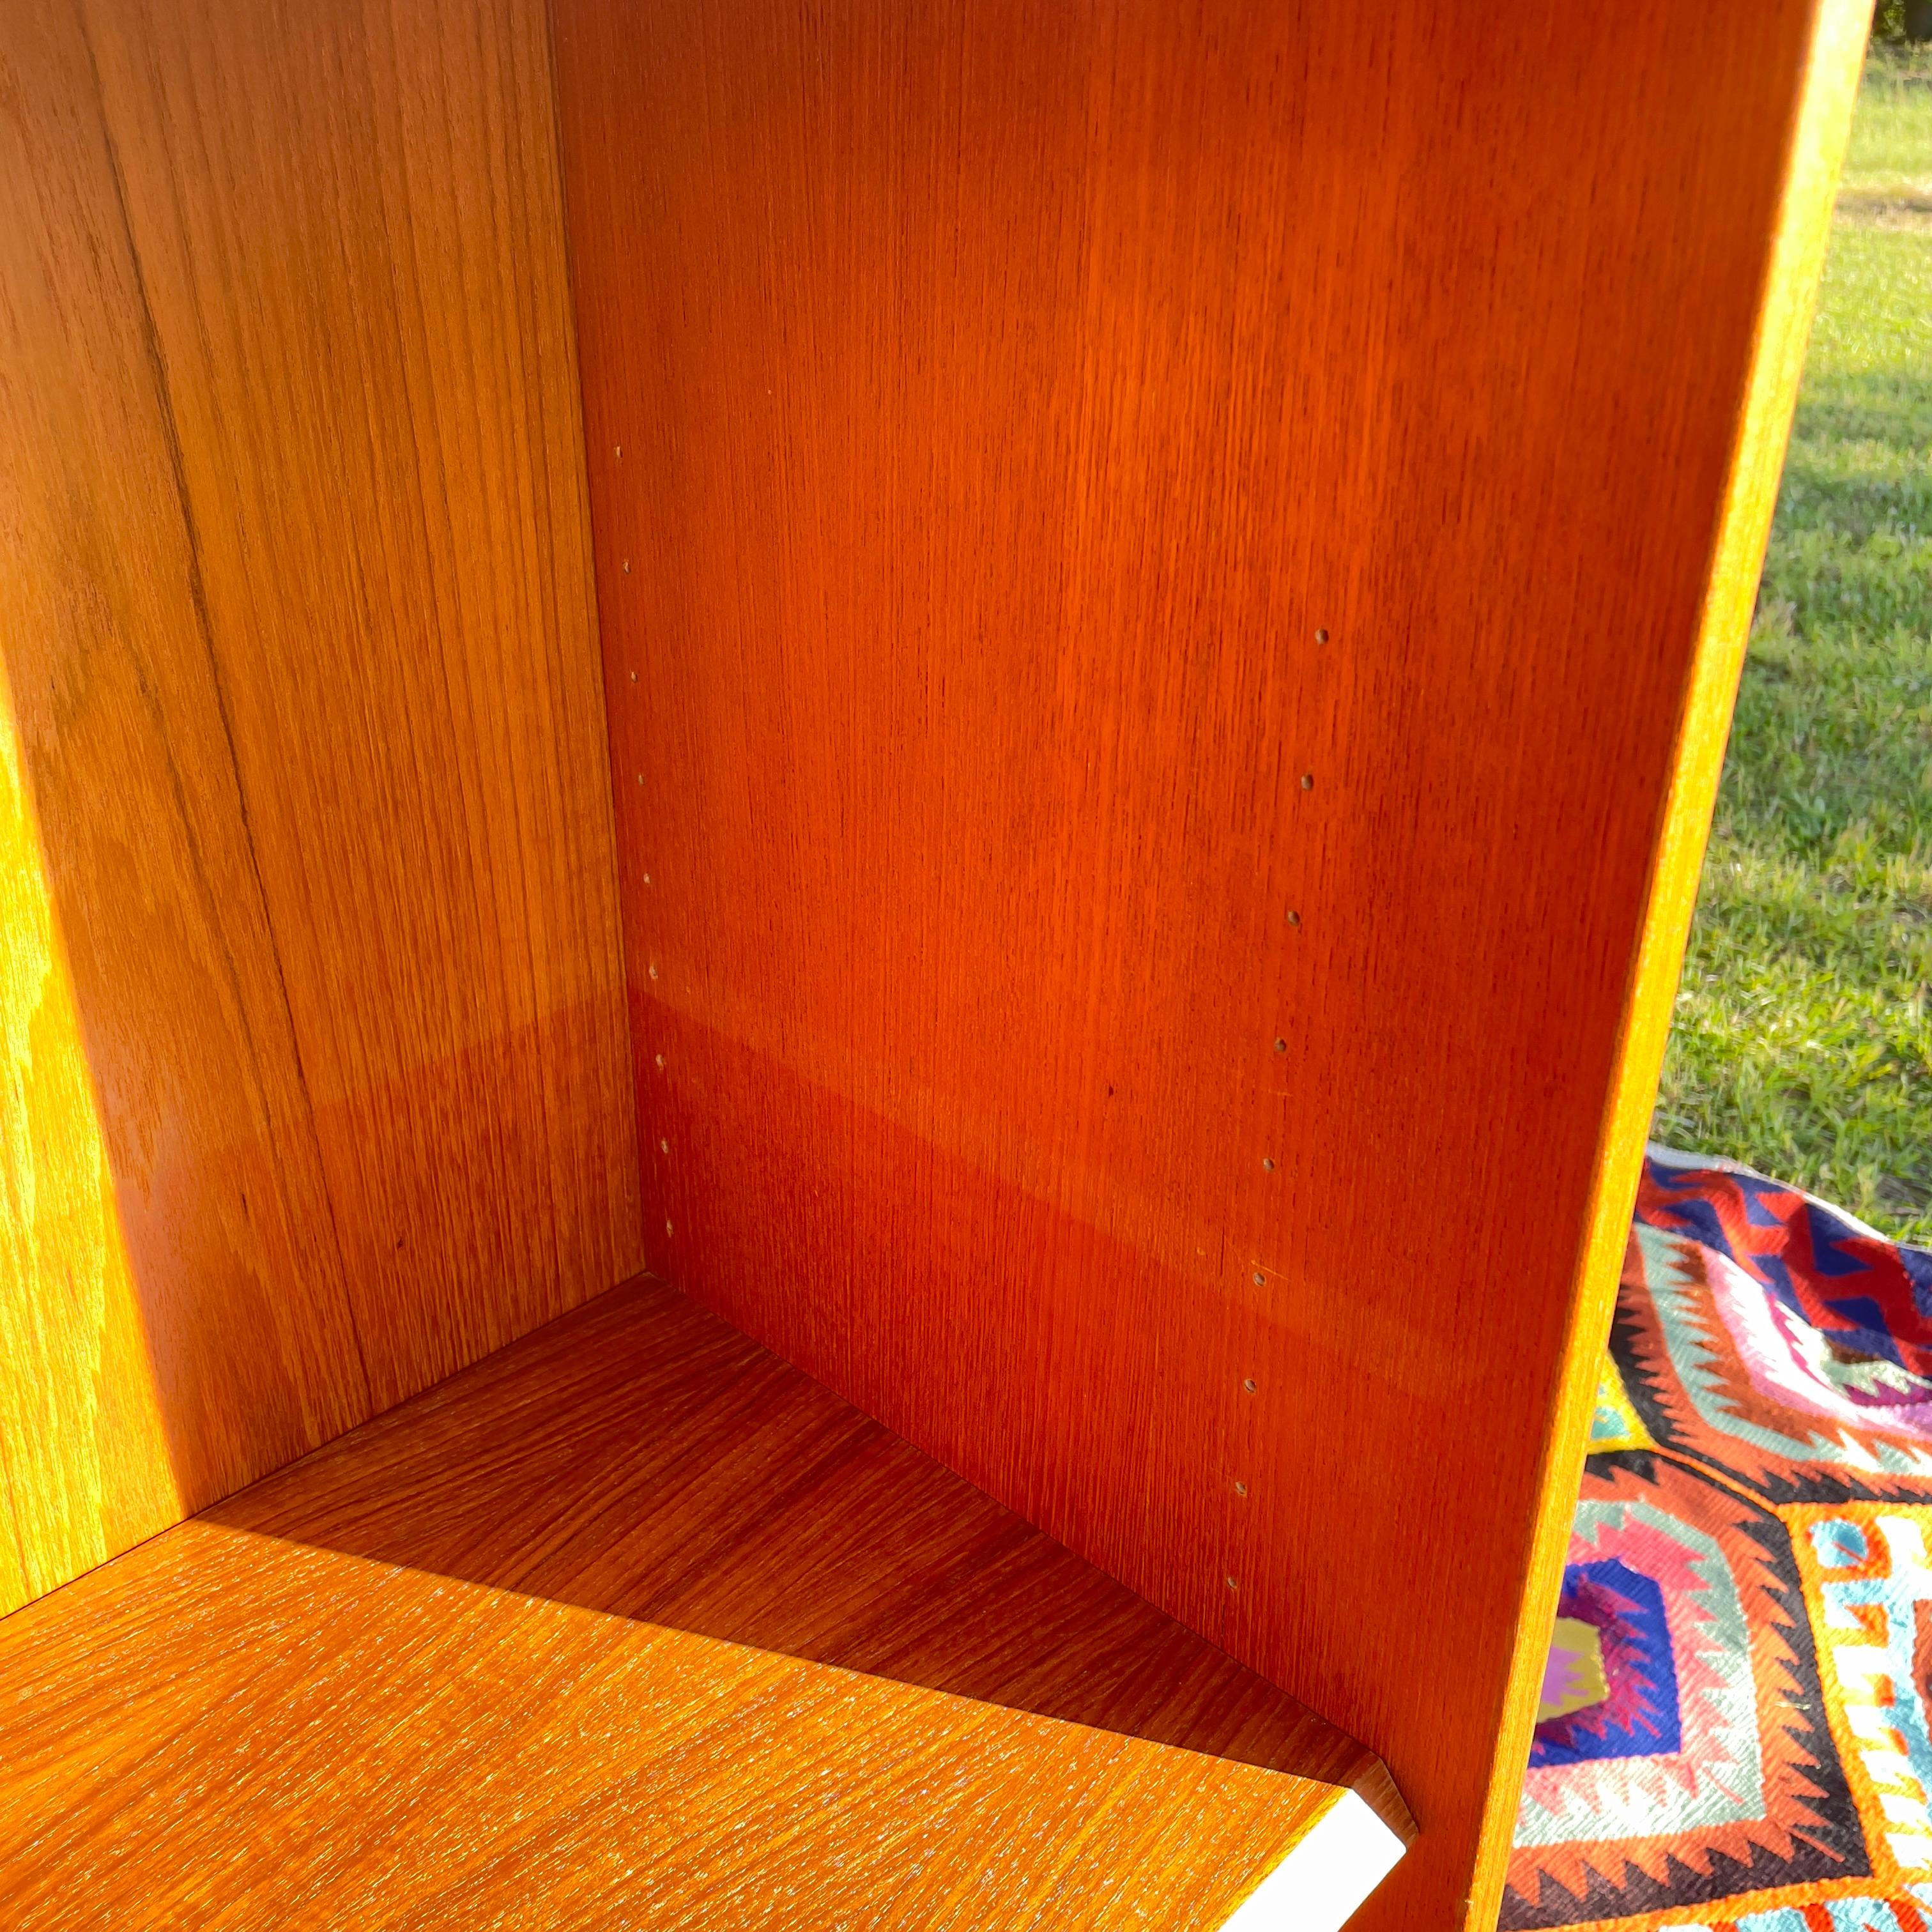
{"x": 845, "y": 843}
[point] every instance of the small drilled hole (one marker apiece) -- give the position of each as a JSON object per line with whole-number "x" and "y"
{"x": 1260, "y": 1279}
{"x": 1308, "y": 781}
{"x": 666, "y": 1227}
{"x": 1294, "y": 919}
{"x": 620, "y": 452}
{"x": 1232, "y": 1584}
{"x": 1240, "y": 1488}
{"x": 664, "y": 1146}
{"x": 1267, "y": 1166}
{"x": 1281, "y": 1046}
{"x": 654, "y": 972}
{"x": 627, "y": 566}
{"x": 647, "y": 878}
{"x": 660, "y": 1059}
{"x": 1321, "y": 637}
{"x": 634, "y": 677}
{"x": 1249, "y": 1385}
{"x": 640, "y": 777}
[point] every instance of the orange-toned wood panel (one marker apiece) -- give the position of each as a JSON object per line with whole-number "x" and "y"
{"x": 389, "y": 1727}
{"x": 350, "y": 224}
{"x": 1151, "y": 561}
{"x": 174, "y": 1312}
{"x": 1802, "y": 230}
{"x": 316, "y": 1072}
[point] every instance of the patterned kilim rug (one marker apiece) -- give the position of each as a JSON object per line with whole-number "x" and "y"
{"x": 1733, "y": 1729}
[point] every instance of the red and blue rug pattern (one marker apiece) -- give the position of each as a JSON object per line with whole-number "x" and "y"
{"x": 1735, "y": 1729}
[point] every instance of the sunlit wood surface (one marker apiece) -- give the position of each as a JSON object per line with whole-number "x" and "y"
{"x": 312, "y": 1073}
{"x": 1152, "y": 559}
{"x": 633, "y": 1624}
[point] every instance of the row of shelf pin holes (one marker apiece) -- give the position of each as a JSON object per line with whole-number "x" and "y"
{"x": 663, "y": 1145}
{"x": 1248, "y": 1386}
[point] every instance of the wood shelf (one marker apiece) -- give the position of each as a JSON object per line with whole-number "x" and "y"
{"x": 633, "y": 1624}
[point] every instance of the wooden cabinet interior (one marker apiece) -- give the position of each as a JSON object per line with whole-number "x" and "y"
{"x": 635, "y": 1550}
{"x": 1170, "y": 581}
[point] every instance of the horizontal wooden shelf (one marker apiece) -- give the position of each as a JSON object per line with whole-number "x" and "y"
{"x": 633, "y": 1624}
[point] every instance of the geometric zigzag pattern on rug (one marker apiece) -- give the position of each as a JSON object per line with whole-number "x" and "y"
{"x": 1735, "y": 1728}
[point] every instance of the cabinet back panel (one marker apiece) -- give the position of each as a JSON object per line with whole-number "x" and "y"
{"x": 1152, "y": 559}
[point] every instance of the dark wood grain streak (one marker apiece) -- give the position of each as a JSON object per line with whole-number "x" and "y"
{"x": 633, "y": 1624}
{"x": 1072, "y": 487}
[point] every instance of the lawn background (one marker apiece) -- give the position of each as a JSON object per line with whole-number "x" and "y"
{"x": 1802, "y": 1042}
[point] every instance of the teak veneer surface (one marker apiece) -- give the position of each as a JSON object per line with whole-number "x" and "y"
{"x": 313, "y": 1073}
{"x": 1074, "y": 487}
{"x": 1154, "y": 560}
{"x": 634, "y": 1624}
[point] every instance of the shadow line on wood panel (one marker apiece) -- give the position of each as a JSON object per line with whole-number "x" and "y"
{"x": 642, "y": 1458}
{"x": 1039, "y": 1338}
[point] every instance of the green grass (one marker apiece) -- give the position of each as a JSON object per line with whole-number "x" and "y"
{"x": 1802, "y": 1042}
{"x": 1889, "y": 137}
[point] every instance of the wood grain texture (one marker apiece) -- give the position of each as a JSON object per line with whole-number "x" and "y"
{"x": 1153, "y": 560}
{"x": 1802, "y": 229}
{"x": 84, "y": 1464}
{"x": 642, "y": 1458}
{"x": 317, "y": 1077}
{"x": 348, "y": 219}
{"x": 176, "y": 1315}
{"x": 632, "y": 1624}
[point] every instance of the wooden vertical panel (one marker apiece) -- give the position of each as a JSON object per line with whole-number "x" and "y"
{"x": 1152, "y": 560}
{"x": 152, "y": 1081}
{"x": 301, "y": 647}
{"x": 84, "y": 1461}
{"x": 350, "y": 223}
{"x": 1796, "y": 261}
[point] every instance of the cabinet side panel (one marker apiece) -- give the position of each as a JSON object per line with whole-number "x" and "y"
{"x": 318, "y": 1081}
{"x": 1152, "y": 561}
{"x": 1802, "y": 230}
{"x": 174, "y": 1307}
{"x": 349, "y": 218}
